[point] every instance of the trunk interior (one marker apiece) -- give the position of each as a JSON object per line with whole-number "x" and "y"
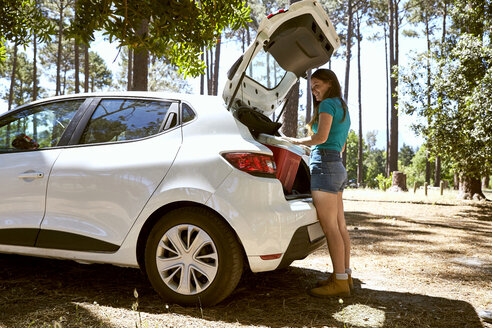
{"x": 265, "y": 131}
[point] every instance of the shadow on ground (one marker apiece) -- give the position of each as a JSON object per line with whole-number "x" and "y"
{"x": 38, "y": 291}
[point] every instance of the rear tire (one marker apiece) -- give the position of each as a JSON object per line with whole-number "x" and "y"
{"x": 193, "y": 257}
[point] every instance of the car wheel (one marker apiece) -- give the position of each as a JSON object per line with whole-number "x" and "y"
{"x": 192, "y": 256}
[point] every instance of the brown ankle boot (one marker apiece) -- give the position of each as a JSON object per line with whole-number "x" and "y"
{"x": 330, "y": 277}
{"x": 334, "y": 288}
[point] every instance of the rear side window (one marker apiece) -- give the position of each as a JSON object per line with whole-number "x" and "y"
{"x": 37, "y": 127}
{"x": 188, "y": 113}
{"x": 125, "y": 119}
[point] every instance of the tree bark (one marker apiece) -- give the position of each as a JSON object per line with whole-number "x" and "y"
{"x": 34, "y": 68}
{"x": 470, "y": 188}
{"x": 86, "y": 68}
{"x": 359, "y": 152}
{"x": 141, "y": 61}
{"x": 216, "y": 68}
{"x": 59, "y": 53}
{"x": 348, "y": 52}
{"x": 129, "y": 85}
{"x": 437, "y": 172}
{"x": 427, "y": 168}
{"x": 387, "y": 102}
{"x": 77, "y": 67}
{"x": 12, "y": 77}
{"x": 393, "y": 44}
{"x": 399, "y": 182}
{"x": 289, "y": 116}
{"x": 456, "y": 181}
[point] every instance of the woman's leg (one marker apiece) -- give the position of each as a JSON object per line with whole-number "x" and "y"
{"x": 342, "y": 226}
{"x": 327, "y": 209}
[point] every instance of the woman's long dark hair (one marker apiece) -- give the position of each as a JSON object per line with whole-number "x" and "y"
{"x": 335, "y": 91}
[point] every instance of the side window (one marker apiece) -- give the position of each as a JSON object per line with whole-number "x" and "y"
{"x": 188, "y": 113}
{"x": 37, "y": 127}
{"x": 124, "y": 119}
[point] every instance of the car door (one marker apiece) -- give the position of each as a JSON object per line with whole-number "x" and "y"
{"x": 98, "y": 187}
{"x": 29, "y": 145}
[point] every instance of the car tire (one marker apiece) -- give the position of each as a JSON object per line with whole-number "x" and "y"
{"x": 193, "y": 257}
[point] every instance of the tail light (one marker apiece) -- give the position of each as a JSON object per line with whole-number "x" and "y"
{"x": 253, "y": 163}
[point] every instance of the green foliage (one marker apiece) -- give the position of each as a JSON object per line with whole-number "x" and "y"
{"x": 456, "y": 123}
{"x": 23, "y": 78}
{"x": 405, "y": 155}
{"x": 383, "y": 182}
{"x": 374, "y": 162}
{"x": 415, "y": 170}
{"x": 177, "y": 30}
{"x": 352, "y": 149}
{"x": 19, "y": 20}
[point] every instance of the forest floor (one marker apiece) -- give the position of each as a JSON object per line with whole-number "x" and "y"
{"x": 418, "y": 261}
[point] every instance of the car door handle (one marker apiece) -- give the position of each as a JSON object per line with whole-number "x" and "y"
{"x": 31, "y": 175}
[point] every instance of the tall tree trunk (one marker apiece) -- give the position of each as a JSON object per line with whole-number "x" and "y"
{"x": 34, "y": 68}
{"x": 12, "y": 77}
{"x": 359, "y": 78}
{"x": 437, "y": 172}
{"x": 388, "y": 173}
{"x": 393, "y": 44}
{"x": 59, "y": 53}
{"x": 76, "y": 53}
{"x": 348, "y": 56}
{"x": 141, "y": 61}
{"x": 309, "y": 97}
{"x": 129, "y": 85}
{"x": 77, "y": 66}
{"x": 216, "y": 68}
{"x": 289, "y": 116}
{"x": 427, "y": 168}
{"x": 86, "y": 68}
{"x": 348, "y": 51}
{"x": 64, "y": 80}
{"x": 470, "y": 187}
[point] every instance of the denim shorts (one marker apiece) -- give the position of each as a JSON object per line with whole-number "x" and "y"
{"x": 327, "y": 171}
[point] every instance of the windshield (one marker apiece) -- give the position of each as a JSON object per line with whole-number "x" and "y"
{"x": 265, "y": 70}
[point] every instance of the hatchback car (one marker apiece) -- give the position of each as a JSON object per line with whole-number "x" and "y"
{"x": 191, "y": 189}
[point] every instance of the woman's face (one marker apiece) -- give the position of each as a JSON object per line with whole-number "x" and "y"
{"x": 319, "y": 88}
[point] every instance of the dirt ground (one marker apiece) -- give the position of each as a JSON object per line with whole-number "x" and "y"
{"x": 414, "y": 265}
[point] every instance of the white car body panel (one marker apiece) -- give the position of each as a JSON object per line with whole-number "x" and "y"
{"x": 23, "y": 202}
{"x": 98, "y": 190}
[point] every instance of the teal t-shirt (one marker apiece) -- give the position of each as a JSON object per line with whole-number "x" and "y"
{"x": 339, "y": 130}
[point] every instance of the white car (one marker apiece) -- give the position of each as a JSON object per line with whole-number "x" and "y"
{"x": 191, "y": 189}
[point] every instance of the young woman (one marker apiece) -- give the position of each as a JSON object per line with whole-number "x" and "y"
{"x": 329, "y": 126}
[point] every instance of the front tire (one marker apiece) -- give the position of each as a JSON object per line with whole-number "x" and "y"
{"x": 192, "y": 256}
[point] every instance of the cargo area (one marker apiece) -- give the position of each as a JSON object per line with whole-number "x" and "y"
{"x": 291, "y": 160}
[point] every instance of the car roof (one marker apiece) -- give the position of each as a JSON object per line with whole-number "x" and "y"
{"x": 195, "y": 100}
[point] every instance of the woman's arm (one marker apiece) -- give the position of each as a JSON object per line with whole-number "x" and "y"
{"x": 319, "y": 137}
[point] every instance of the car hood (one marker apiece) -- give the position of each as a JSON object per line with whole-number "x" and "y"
{"x": 287, "y": 45}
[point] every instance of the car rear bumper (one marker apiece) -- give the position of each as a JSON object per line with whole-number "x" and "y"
{"x": 306, "y": 240}
{"x": 303, "y": 243}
